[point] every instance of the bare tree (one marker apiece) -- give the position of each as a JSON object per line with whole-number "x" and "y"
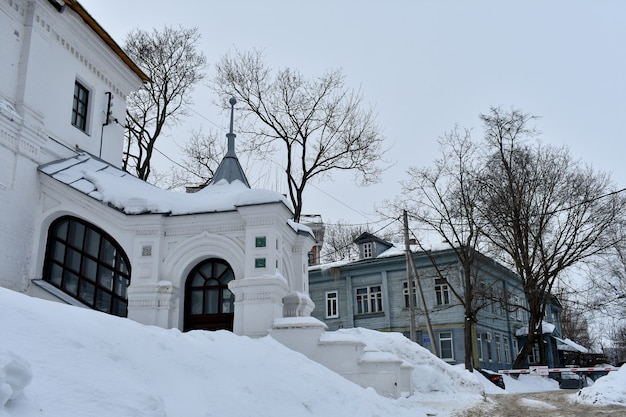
{"x": 608, "y": 276}
{"x": 171, "y": 59}
{"x": 339, "y": 242}
{"x": 340, "y": 236}
{"x": 443, "y": 199}
{"x": 203, "y": 153}
{"x": 542, "y": 211}
{"x": 574, "y": 321}
{"x": 607, "y": 301}
{"x": 319, "y": 123}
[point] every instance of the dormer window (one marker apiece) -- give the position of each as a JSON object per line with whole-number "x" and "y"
{"x": 370, "y": 246}
{"x": 368, "y": 250}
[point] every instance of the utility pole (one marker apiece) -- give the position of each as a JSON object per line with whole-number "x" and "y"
{"x": 409, "y": 273}
{"x": 413, "y": 269}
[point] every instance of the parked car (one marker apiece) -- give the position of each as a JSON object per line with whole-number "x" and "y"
{"x": 571, "y": 380}
{"x": 494, "y": 377}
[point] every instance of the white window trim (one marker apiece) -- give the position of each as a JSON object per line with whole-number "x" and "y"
{"x": 534, "y": 355}
{"x": 369, "y": 298}
{"x": 498, "y": 340}
{"x": 507, "y": 350}
{"x": 332, "y": 303}
{"x": 479, "y": 341}
{"x": 368, "y": 250}
{"x": 451, "y": 346}
{"x": 405, "y": 293}
{"x": 444, "y": 289}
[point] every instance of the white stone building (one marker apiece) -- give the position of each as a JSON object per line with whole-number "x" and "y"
{"x": 50, "y": 51}
{"x": 77, "y": 229}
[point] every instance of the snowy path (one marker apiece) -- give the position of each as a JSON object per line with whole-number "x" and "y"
{"x": 552, "y": 403}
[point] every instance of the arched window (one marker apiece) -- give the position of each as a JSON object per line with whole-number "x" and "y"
{"x": 86, "y": 263}
{"x": 209, "y": 304}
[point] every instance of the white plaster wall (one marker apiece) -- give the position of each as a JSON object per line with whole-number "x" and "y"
{"x": 162, "y": 251}
{"x": 43, "y": 53}
{"x": 11, "y": 35}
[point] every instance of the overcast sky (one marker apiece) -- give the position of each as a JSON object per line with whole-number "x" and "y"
{"x": 424, "y": 66}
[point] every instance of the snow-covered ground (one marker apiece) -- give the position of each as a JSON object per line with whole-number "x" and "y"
{"x": 57, "y": 360}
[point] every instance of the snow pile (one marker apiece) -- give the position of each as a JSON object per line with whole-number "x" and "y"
{"x": 488, "y": 386}
{"x": 15, "y": 375}
{"x": 86, "y": 363}
{"x": 430, "y": 374}
{"x": 529, "y": 383}
{"x": 607, "y": 390}
{"x": 523, "y": 384}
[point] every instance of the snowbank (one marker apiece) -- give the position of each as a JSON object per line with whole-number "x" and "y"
{"x": 15, "y": 375}
{"x": 529, "y": 383}
{"x": 86, "y": 363}
{"x": 430, "y": 374}
{"x": 607, "y": 390}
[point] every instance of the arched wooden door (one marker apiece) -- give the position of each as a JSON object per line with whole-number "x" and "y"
{"x": 209, "y": 304}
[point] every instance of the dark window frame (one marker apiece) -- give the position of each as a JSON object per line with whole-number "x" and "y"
{"x": 207, "y": 280}
{"x": 80, "y": 106}
{"x": 86, "y": 263}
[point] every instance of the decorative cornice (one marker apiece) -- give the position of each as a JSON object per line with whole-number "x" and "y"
{"x": 148, "y": 232}
{"x": 192, "y": 231}
{"x": 80, "y": 57}
{"x": 106, "y": 38}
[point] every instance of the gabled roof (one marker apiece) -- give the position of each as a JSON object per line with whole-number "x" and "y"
{"x": 368, "y": 237}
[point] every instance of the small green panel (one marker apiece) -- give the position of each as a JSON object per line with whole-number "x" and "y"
{"x": 259, "y": 263}
{"x": 260, "y": 242}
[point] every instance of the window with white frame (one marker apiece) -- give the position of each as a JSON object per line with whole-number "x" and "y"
{"x": 445, "y": 346}
{"x": 479, "y": 346}
{"x": 332, "y": 310}
{"x": 80, "y": 106}
{"x": 515, "y": 347}
{"x": 498, "y": 348}
{"x": 442, "y": 291}
{"x": 369, "y": 299}
{"x": 368, "y": 250}
{"x": 487, "y": 339}
{"x": 533, "y": 357}
{"x": 405, "y": 293}
{"x": 507, "y": 350}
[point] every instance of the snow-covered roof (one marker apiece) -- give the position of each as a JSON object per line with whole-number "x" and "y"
{"x": 546, "y": 328}
{"x": 570, "y": 346}
{"x": 395, "y": 250}
{"x": 112, "y": 186}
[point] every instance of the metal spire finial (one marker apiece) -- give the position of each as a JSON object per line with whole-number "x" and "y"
{"x": 230, "y": 169}
{"x": 230, "y": 135}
